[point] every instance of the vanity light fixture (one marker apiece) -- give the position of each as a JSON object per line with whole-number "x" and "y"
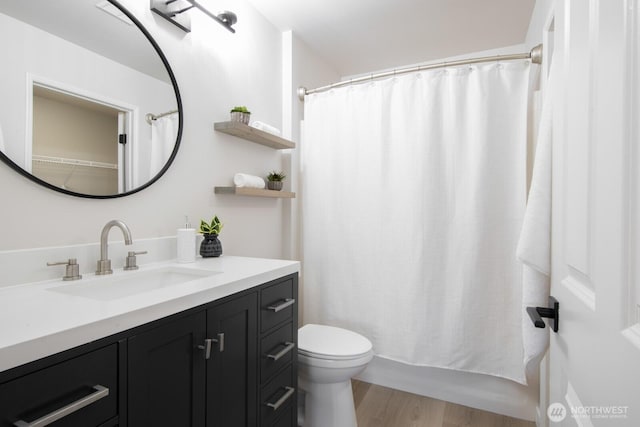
{"x": 173, "y": 11}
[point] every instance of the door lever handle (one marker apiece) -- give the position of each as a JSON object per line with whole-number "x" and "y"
{"x": 552, "y": 312}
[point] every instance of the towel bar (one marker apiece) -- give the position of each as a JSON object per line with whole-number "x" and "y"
{"x": 552, "y": 312}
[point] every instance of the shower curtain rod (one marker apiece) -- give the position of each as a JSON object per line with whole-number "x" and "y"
{"x": 149, "y": 117}
{"x": 535, "y": 55}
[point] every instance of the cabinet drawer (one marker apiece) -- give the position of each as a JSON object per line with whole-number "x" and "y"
{"x": 83, "y": 391}
{"x": 288, "y": 418}
{"x": 277, "y": 350}
{"x": 277, "y": 303}
{"x": 277, "y": 396}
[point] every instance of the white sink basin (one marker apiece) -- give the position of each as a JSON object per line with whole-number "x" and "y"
{"x": 131, "y": 283}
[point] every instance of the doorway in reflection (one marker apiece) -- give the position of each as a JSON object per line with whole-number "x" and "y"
{"x": 79, "y": 144}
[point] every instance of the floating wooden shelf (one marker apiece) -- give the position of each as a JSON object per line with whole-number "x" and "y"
{"x": 254, "y": 192}
{"x": 254, "y": 135}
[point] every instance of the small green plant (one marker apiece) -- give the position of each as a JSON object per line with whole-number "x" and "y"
{"x": 276, "y": 176}
{"x": 215, "y": 227}
{"x": 240, "y": 109}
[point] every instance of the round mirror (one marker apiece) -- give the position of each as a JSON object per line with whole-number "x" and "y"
{"x": 90, "y": 106}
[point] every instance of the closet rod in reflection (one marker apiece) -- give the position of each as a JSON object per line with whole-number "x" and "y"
{"x": 72, "y": 162}
{"x": 535, "y": 55}
{"x": 150, "y": 117}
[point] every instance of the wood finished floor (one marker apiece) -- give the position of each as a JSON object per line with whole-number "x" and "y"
{"x": 378, "y": 406}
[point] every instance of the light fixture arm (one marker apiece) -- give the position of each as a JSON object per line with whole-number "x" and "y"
{"x": 173, "y": 15}
{"x": 226, "y": 18}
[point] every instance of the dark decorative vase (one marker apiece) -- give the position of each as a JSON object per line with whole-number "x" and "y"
{"x": 210, "y": 246}
{"x": 274, "y": 185}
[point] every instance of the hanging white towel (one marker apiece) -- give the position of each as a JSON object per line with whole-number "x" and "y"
{"x": 265, "y": 127}
{"x": 246, "y": 180}
{"x": 534, "y": 245}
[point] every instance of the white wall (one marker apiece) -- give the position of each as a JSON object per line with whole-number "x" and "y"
{"x": 301, "y": 67}
{"x": 540, "y": 14}
{"x": 215, "y": 70}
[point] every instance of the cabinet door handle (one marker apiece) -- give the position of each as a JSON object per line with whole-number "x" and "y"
{"x": 207, "y": 348}
{"x": 287, "y": 395}
{"x": 99, "y": 393}
{"x": 220, "y": 341}
{"x": 289, "y": 346}
{"x": 287, "y": 302}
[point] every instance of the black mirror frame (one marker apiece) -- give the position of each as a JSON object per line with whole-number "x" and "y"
{"x": 174, "y": 83}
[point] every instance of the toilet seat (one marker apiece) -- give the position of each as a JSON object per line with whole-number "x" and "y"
{"x": 332, "y": 344}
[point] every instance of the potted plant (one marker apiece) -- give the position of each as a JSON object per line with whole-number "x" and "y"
{"x": 240, "y": 114}
{"x": 211, "y": 246}
{"x": 274, "y": 180}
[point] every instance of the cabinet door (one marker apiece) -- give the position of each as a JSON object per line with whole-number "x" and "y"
{"x": 232, "y": 368}
{"x": 166, "y": 374}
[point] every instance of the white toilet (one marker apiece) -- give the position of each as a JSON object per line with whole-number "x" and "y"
{"x": 328, "y": 357}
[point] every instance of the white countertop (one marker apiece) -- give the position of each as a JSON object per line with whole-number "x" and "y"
{"x": 36, "y": 322}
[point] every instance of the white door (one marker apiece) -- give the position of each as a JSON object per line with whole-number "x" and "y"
{"x": 594, "y": 359}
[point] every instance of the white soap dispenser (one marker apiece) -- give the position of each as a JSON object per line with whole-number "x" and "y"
{"x": 186, "y": 240}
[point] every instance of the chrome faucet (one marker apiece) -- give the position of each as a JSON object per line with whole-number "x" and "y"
{"x": 104, "y": 264}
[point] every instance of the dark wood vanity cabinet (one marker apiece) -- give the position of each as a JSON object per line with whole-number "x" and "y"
{"x": 228, "y": 363}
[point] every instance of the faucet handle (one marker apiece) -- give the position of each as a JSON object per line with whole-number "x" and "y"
{"x": 72, "y": 271}
{"x": 130, "y": 263}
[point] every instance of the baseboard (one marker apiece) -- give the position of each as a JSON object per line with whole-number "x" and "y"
{"x": 479, "y": 391}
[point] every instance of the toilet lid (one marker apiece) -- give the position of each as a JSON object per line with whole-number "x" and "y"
{"x": 331, "y": 342}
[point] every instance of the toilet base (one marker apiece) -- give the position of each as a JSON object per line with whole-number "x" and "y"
{"x": 328, "y": 404}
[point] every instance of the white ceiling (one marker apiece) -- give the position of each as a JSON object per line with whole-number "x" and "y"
{"x": 359, "y": 36}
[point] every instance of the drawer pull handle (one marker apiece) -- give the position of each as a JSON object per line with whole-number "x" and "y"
{"x": 100, "y": 393}
{"x": 280, "y": 402}
{"x": 287, "y": 302}
{"x": 289, "y": 346}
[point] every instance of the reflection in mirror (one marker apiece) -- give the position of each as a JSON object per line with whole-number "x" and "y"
{"x": 92, "y": 77}
{"x": 64, "y": 125}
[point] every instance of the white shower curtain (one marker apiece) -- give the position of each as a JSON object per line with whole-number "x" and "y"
{"x": 164, "y": 131}
{"x": 413, "y": 195}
